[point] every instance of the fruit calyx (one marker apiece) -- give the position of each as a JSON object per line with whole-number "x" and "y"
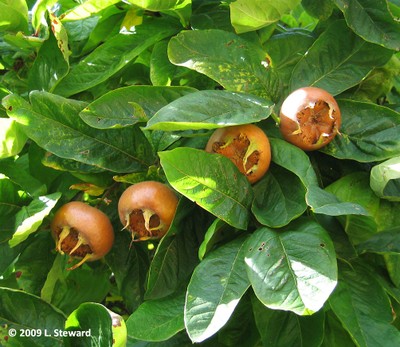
{"x": 144, "y": 224}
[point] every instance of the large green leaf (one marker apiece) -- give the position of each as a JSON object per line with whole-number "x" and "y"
{"x": 157, "y": 320}
{"x": 372, "y": 20}
{"x": 22, "y": 311}
{"x": 90, "y": 324}
{"x": 129, "y": 105}
{"x": 212, "y": 181}
{"x": 385, "y": 242}
{"x": 366, "y": 320}
{"x": 209, "y": 109}
{"x": 292, "y": 269}
{"x": 87, "y": 9}
{"x": 385, "y": 179}
{"x": 278, "y": 198}
{"x": 249, "y": 15}
{"x": 368, "y": 133}
{"x": 54, "y": 123}
{"x": 113, "y": 55}
{"x": 237, "y": 64}
{"x": 337, "y": 60}
{"x": 216, "y": 286}
{"x": 13, "y": 15}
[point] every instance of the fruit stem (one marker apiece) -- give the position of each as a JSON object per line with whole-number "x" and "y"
{"x": 276, "y": 118}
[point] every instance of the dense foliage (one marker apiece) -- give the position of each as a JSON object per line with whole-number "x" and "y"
{"x": 98, "y": 95}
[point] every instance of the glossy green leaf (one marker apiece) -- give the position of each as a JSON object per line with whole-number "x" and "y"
{"x": 321, "y": 9}
{"x": 350, "y": 59}
{"x": 42, "y": 318}
{"x": 293, "y": 269}
{"x": 238, "y": 65}
{"x": 129, "y": 105}
{"x": 157, "y": 320}
{"x": 12, "y": 138}
{"x": 283, "y": 328}
{"x": 385, "y": 242}
{"x": 30, "y": 217}
{"x": 90, "y": 324}
{"x": 385, "y": 179}
{"x": 53, "y": 122}
{"x": 13, "y": 15}
{"x": 86, "y": 9}
{"x": 334, "y": 333}
{"x": 372, "y": 20}
{"x": 113, "y": 55}
{"x": 368, "y": 133}
{"x": 209, "y": 109}
{"x": 249, "y": 15}
{"x": 212, "y": 181}
{"x": 216, "y": 286}
{"x": 366, "y": 320}
{"x": 278, "y": 198}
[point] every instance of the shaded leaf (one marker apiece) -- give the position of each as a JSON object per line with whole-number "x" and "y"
{"x": 385, "y": 242}
{"x": 210, "y": 109}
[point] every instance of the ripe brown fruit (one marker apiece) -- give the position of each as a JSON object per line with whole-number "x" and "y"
{"x": 82, "y": 231}
{"x": 310, "y": 118}
{"x": 147, "y": 209}
{"x": 247, "y": 146}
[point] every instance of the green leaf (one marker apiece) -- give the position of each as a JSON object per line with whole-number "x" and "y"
{"x": 366, "y": 320}
{"x": 30, "y": 217}
{"x": 42, "y": 317}
{"x": 210, "y": 109}
{"x": 12, "y": 138}
{"x": 369, "y": 133}
{"x": 349, "y": 60}
{"x": 372, "y": 20}
{"x": 212, "y": 181}
{"x": 385, "y": 179}
{"x": 90, "y": 324}
{"x": 176, "y": 256}
{"x": 113, "y": 55}
{"x": 13, "y": 15}
{"x": 216, "y": 286}
{"x": 321, "y": 9}
{"x": 385, "y": 242}
{"x": 278, "y": 198}
{"x": 53, "y": 122}
{"x": 157, "y": 320}
{"x": 129, "y": 105}
{"x": 282, "y": 328}
{"x": 334, "y": 333}
{"x": 87, "y": 9}
{"x": 249, "y": 15}
{"x": 238, "y": 65}
{"x": 292, "y": 269}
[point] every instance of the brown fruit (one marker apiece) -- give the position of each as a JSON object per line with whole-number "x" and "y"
{"x": 82, "y": 231}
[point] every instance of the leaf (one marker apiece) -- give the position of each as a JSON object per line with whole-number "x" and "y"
{"x": 87, "y": 9}
{"x": 129, "y": 105}
{"x": 113, "y": 55}
{"x": 210, "y": 109}
{"x": 249, "y": 15}
{"x": 372, "y": 20}
{"x": 369, "y": 133}
{"x": 12, "y": 138}
{"x": 366, "y": 320}
{"x": 13, "y": 15}
{"x": 385, "y": 179}
{"x": 30, "y": 217}
{"x": 90, "y": 324}
{"x": 53, "y": 122}
{"x": 238, "y": 65}
{"x": 212, "y": 181}
{"x": 292, "y": 269}
{"x": 216, "y": 286}
{"x": 350, "y": 59}
{"x": 42, "y": 316}
{"x": 385, "y": 242}
{"x": 157, "y": 320}
{"x": 283, "y": 328}
{"x": 278, "y": 198}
